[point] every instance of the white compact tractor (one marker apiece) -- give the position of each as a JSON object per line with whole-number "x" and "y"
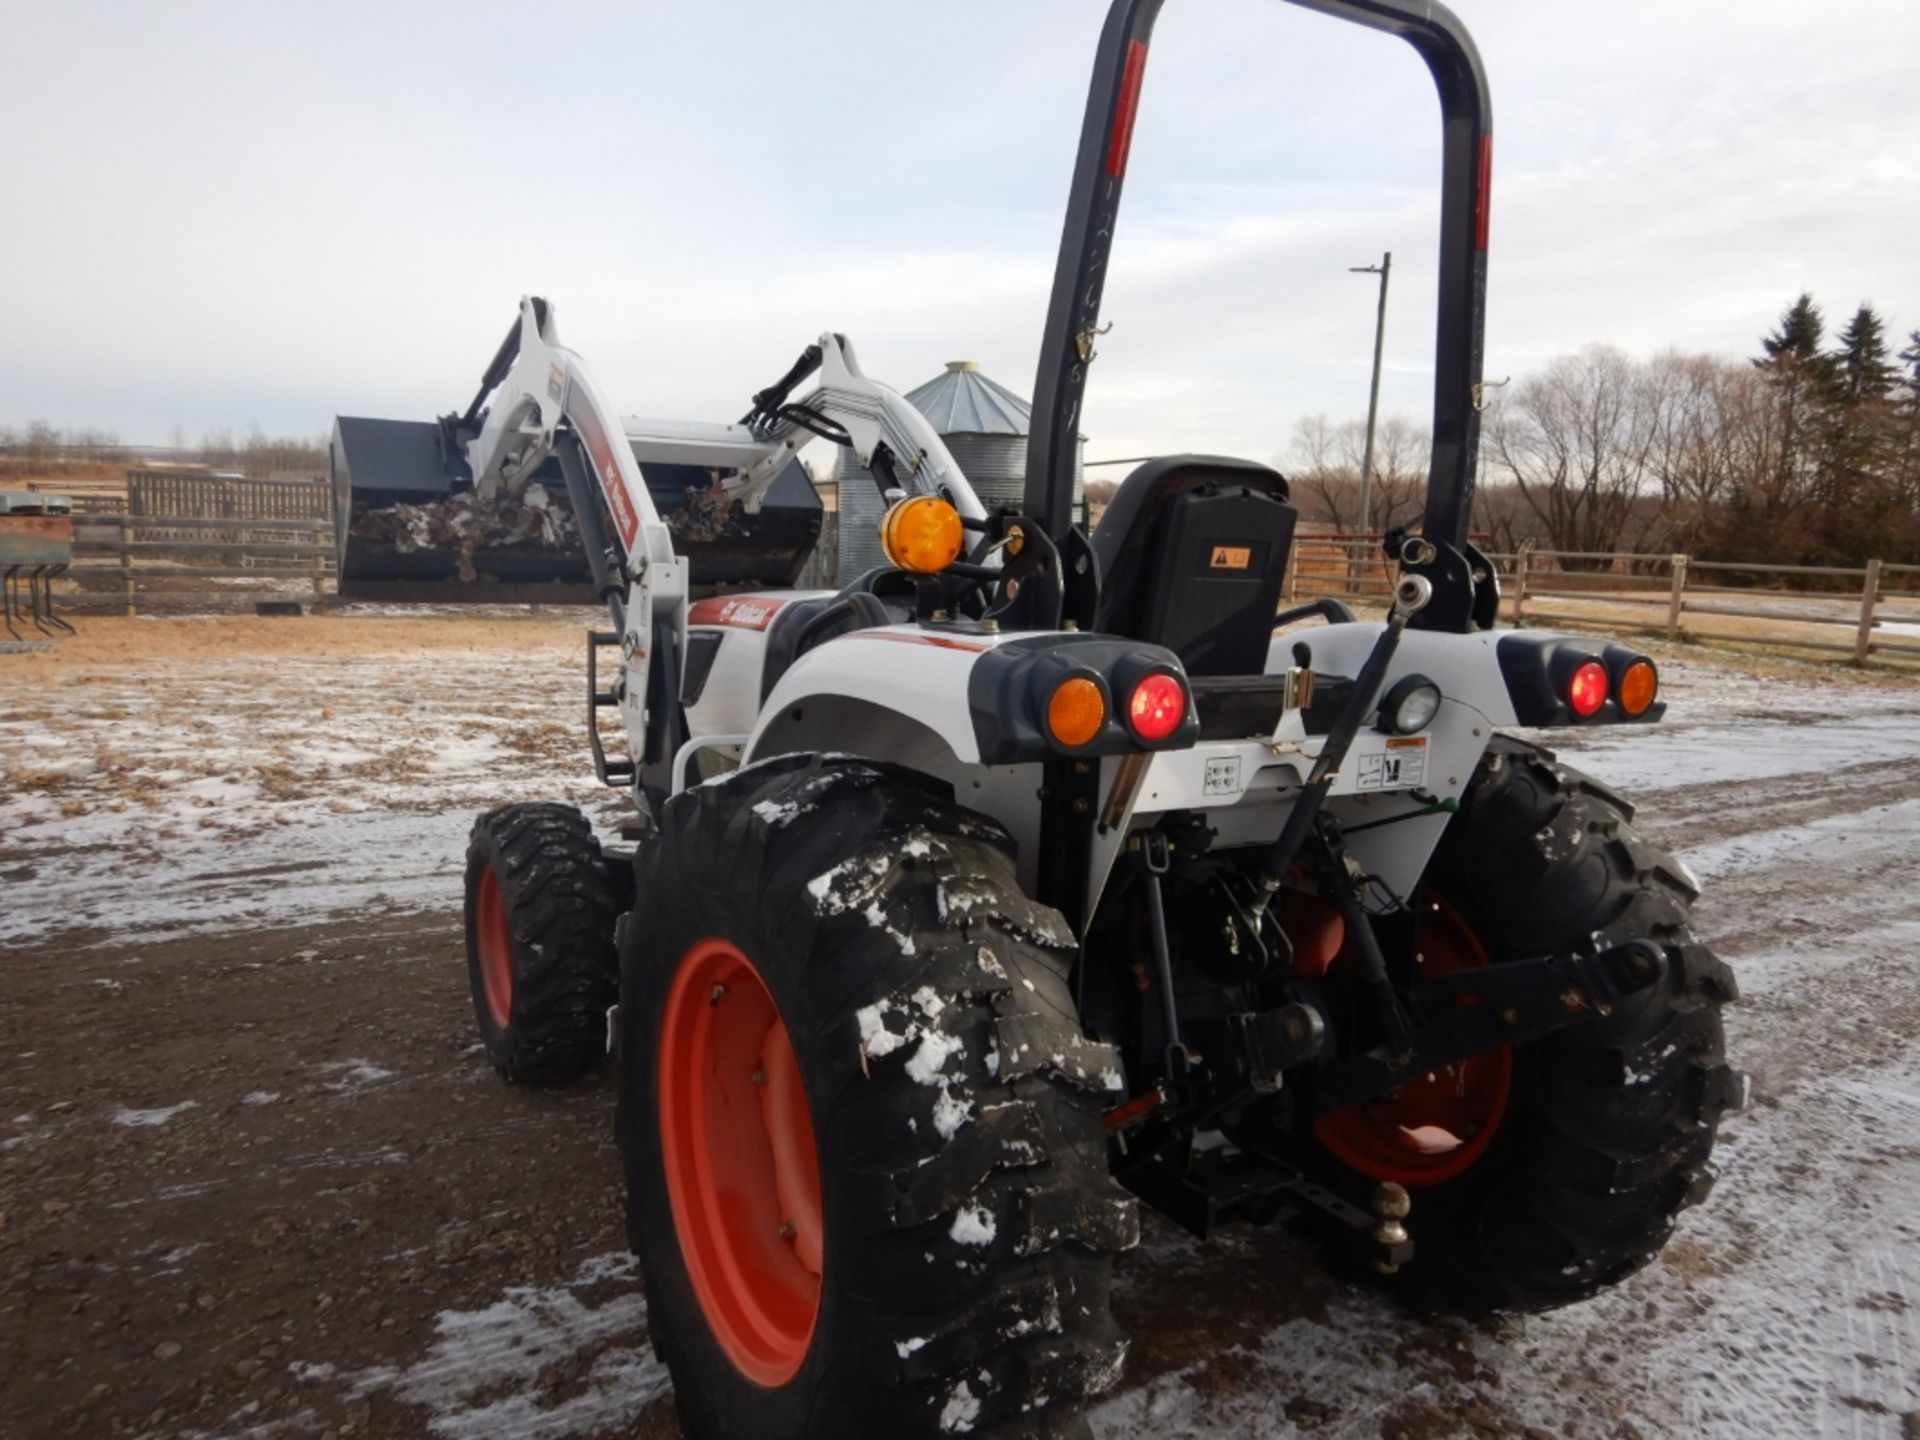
{"x": 1038, "y": 871}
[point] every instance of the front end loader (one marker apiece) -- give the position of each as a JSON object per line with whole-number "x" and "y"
{"x": 1038, "y": 873}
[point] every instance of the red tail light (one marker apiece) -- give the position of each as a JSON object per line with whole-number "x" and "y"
{"x": 1158, "y": 705}
{"x": 1587, "y": 690}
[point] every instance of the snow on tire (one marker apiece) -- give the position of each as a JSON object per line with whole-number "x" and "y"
{"x": 843, "y": 918}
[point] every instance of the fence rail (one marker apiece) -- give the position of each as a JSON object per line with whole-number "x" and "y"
{"x": 1825, "y": 609}
{"x": 1864, "y": 612}
{"x": 226, "y": 497}
{"x": 131, "y": 553}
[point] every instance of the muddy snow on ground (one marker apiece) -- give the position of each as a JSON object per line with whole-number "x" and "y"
{"x": 320, "y": 810}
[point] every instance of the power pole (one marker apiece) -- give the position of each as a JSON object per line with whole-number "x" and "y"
{"x": 1384, "y": 270}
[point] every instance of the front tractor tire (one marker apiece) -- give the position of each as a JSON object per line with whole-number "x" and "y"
{"x": 542, "y": 902}
{"x": 866, "y": 1171}
{"x": 1543, "y": 1173}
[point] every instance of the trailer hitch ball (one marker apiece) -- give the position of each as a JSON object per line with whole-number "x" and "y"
{"x": 1391, "y": 1205}
{"x": 1391, "y": 1201}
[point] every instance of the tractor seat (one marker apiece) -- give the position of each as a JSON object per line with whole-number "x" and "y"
{"x": 1192, "y": 554}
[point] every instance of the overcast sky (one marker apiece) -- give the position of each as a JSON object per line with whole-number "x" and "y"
{"x": 223, "y": 214}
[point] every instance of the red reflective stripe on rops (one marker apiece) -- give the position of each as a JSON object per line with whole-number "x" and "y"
{"x": 1483, "y": 195}
{"x": 1122, "y": 138}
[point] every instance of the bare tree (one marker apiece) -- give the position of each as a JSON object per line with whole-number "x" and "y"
{"x": 1579, "y": 442}
{"x": 1323, "y": 463}
{"x": 1714, "y": 437}
{"x": 42, "y": 441}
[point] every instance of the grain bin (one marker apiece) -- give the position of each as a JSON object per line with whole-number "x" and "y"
{"x": 985, "y": 427}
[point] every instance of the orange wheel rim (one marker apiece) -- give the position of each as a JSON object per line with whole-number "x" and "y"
{"x": 743, "y": 1174}
{"x": 1432, "y": 1129}
{"x": 494, "y": 936}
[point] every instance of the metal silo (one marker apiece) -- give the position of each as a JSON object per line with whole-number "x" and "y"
{"x": 984, "y": 425}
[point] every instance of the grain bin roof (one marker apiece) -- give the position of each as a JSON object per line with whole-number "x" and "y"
{"x": 965, "y": 402}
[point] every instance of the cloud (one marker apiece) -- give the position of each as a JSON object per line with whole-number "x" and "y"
{"x": 235, "y": 213}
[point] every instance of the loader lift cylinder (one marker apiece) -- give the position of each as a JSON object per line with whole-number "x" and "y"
{"x": 1093, "y": 204}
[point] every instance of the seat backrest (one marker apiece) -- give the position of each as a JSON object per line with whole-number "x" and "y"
{"x": 1192, "y": 554}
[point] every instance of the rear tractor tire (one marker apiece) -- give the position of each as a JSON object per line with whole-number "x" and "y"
{"x": 867, "y": 1178}
{"x": 542, "y": 902}
{"x": 1541, "y": 1174}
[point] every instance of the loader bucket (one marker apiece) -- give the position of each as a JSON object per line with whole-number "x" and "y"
{"x": 408, "y": 527}
{"x": 410, "y": 530}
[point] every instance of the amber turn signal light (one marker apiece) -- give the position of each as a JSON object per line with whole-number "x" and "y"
{"x": 1075, "y": 712}
{"x": 1639, "y": 684}
{"x": 922, "y": 534}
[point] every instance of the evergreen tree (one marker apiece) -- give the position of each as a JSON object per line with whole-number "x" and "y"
{"x": 1907, "y": 459}
{"x": 1862, "y": 371}
{"x": 1797, "y": 342}
{"x": 1800, "y": 375}
{"x": 1857, "y": 445}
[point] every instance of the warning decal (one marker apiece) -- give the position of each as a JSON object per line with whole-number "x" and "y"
{"x": 1400, "y": 767}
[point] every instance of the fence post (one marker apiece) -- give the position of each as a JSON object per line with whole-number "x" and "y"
{"x": 323, "y": 537}
{"x": 126, "y": 566}
{"x": 1293, "y": 569}
{"x": 1869, "y": 599}
{"x": 1677, "y": 600}
{"x": 1520, "y": 561}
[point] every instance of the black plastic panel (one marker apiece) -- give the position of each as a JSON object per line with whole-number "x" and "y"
{"x": 1010, "y": 685}
{"x": 1535, "y": 665}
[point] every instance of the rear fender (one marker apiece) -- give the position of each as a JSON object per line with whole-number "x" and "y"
{"x": 1465, "y": 667}
{"x": 961, "y": 707}
{"x": 899, "y": 671}
{"x": 1511, "y": 677}
{"x": 906, "y": 702}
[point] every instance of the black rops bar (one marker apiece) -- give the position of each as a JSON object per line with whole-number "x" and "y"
{"x": 1093, "y": 205}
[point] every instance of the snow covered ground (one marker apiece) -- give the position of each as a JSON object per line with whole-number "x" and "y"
{"x": 151, "y": 803}
{"x": 240, "y": 791}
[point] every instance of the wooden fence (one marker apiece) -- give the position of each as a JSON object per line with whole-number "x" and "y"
{"x": 226, "y": 497}
{"x": 1353, "y": 567}
{"x": 1861, "y": 613}
{"x": 180, "y": 534}
{"x": 174, "y": 554}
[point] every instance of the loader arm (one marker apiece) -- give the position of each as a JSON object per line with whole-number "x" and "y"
{"x": 514, "y": 423}
{"x": 535, "y": 383}
{"x": 892, "y": 441}
{"x": 538, "y": 399}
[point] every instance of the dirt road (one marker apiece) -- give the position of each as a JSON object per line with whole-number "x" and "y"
{"x": 257, "y": 1180}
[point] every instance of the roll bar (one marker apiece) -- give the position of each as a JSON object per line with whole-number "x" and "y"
{"x": 1093, "y": 206}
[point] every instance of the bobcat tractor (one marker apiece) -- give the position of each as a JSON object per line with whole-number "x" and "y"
{"x": 1038, "y": 874}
